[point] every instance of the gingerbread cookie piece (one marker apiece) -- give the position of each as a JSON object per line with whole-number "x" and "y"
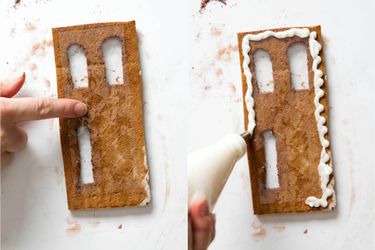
{"x": 114, "y": 119}
{"x": 298, "y": 118}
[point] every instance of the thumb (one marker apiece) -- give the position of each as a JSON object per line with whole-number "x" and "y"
{"x": 9, "y": 88}
{"x": 202, "y": 224}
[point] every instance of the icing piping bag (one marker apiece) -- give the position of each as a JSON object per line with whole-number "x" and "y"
{"x": 210, "y": 167}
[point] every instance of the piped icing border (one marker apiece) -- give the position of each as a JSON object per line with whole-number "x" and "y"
{"x": 324, "y": 168}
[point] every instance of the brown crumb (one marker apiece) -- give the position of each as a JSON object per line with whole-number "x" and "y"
{"x": 16, "y": 3}
{"x": 206, "y": 87}
{"x": 219, "y": 72}
{"x": 205, "y": 2}
{"x": 120, "y": 226}
{"x": 75, "y": 229}
{"x": 279, "y": 228}
{"x": 198, "y": 36}
{"x": 215, "y": 31}
{"x": 306, "y": 231}
{"x": 30, "y": 26}
{"x": 233, "y": 88}
{"x": 12, "y": 31}
{"x": 259, "y": 234}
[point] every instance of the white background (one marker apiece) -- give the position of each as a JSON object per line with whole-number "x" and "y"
{"x": 215, "y": 109}
{"x": 184, "y": 53}
{"x": 34, "y": 212}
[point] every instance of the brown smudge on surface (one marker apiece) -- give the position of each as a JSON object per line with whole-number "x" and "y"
{"x": 279, "y": 228}
{"x": 305, "y": 231}
{"x": 205, "y": 2}
{"x": 259, "y": 232}
{"x": 215, "y": 31}
{"x": 58, "y": 171}
{"x": 94, "y": 223}
{"x": 245, "y": 182}
{"x": 225, "y": 53}
{"x": 352, "y": 192}
{"x": 16, "y": 3}
{"x": 47, "y": 83}
{"x": 219, "y": 72}
{"x": 120, "y": 226}
{"x": 233, "y": 88}
{"x": 198, "y": 36}
{"x": 33, "y": 67}
{"x": 74, "y": 228}
{"x": 40, "y": 49}
{"x": 206, "y": 88}
{"x": 167, "y": 192}
{"x": 352, "y": 196}
{"x": 30, "y": 26}
{"x": 12, "y": 31}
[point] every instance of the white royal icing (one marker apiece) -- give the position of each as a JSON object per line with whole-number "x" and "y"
{"x": 325, "y": 169}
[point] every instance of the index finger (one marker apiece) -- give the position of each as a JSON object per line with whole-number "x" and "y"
{"x": 31, "y": 108}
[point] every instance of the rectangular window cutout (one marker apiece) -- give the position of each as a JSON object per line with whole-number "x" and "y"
{"x": 84, "y": 145}
{"x": 272, "y": 178}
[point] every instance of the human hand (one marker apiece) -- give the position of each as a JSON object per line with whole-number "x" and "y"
{"x": 16, "y": 110}
{"x": 201, "y": 225}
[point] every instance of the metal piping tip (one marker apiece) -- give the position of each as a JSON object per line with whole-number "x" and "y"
{"x": 246, "y": 136}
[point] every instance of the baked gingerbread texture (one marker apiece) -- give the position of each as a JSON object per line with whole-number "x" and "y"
{"x": 114, "y": 120}
{"x": 289, "y": 114}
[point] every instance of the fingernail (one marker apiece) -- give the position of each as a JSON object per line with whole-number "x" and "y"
{"x": 80, "y": 108}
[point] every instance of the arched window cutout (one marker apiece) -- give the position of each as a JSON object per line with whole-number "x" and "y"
{"x": 78, "y": 66}
{"x": 263, "y": 71}
{"x": 112, "y": 51}
{"x": 297, "y": 56}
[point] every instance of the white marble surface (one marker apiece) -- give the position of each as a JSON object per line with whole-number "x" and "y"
{"x": 34, "y": 214}
{"x": 181, "y": 47}
{"x": 215, "y": 109}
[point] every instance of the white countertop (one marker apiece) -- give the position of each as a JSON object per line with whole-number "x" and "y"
{"x": 186, "y": 52}
{"x": 34, "y": 208}
{"x": 215, "y": 109}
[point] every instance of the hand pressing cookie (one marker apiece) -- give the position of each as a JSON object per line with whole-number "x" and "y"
{"x": 16, "y": 110}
